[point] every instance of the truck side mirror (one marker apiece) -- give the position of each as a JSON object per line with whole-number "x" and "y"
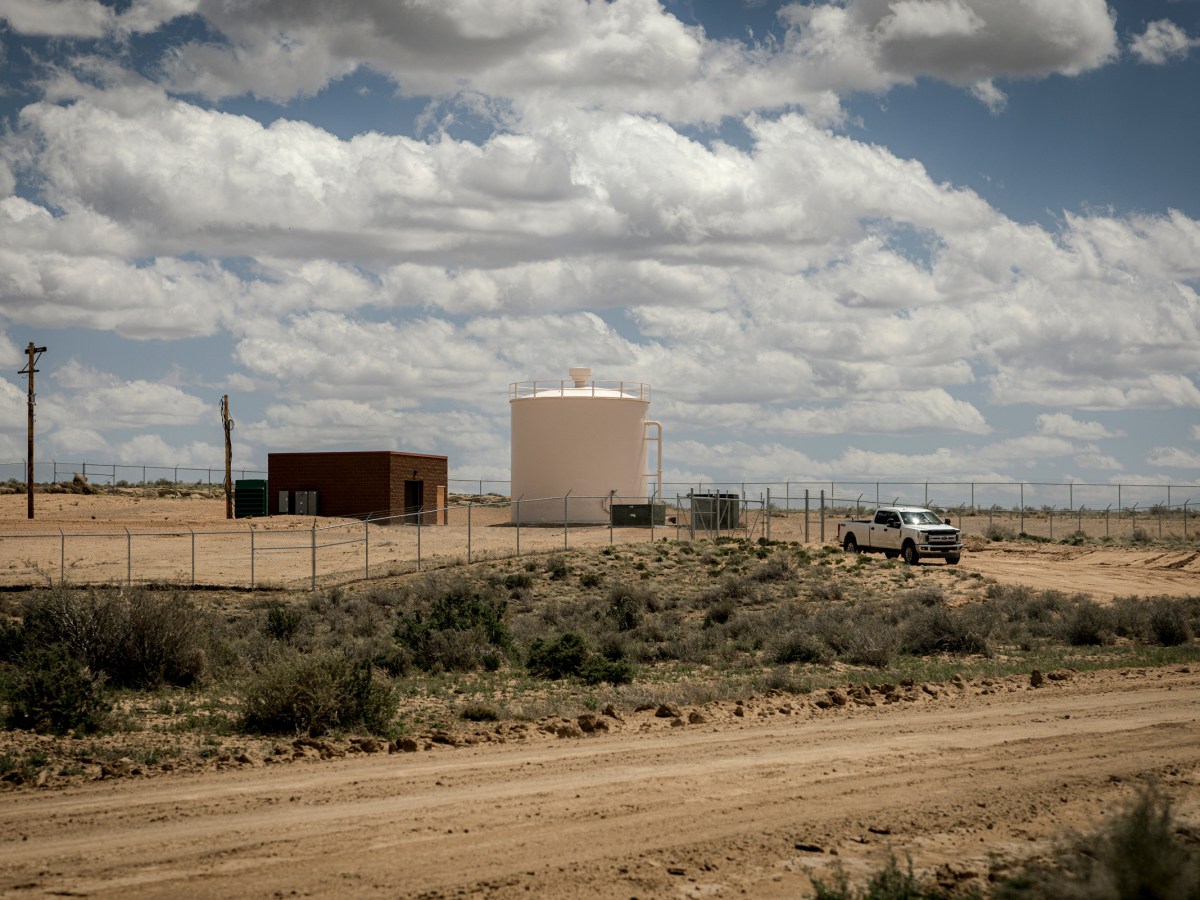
{"x": 947, "y": 521}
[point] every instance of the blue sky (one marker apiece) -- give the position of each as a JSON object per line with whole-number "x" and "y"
{"x": 863, "y": 239}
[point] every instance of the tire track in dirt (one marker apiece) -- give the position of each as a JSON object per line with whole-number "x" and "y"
{"x": 689, "y": 812}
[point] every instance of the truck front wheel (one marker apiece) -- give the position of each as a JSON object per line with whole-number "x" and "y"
{"x": 952, "y": 559}
{"x": 910, "y": 553}
{"x": 850, "y": 545}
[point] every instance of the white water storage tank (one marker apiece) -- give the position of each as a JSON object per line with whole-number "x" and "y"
{"x": 582, "y": 436}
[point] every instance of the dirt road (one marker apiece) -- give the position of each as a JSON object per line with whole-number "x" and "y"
{"x": 736, "y": 805}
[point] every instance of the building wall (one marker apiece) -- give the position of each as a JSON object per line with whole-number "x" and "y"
{"x": 358, "y": 483}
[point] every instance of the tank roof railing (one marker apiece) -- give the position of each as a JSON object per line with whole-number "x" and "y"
{"x": 617, "y": 390}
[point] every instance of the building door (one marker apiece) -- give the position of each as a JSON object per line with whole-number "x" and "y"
{"x": 414, "y": 499}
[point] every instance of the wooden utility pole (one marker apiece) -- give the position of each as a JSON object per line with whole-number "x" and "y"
{"x": 34, "y": 354}
{"x": 228, "y": 425}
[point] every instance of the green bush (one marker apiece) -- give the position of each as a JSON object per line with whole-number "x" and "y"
{"x": 316, "y": 693}
{"x": 283, "y": 622}
{"x": 556, "y": 568}
{"x": 936, "y": 629}
{"x": 889, "y": 883}
{"x": 626, "y": 605}
{"x": 799, "y": 647}
{"x": 597, "y": 669}
{"x": 558, "y": 658}
{"x": 518, "y": 581}
{"x": 1089, "y": 624}
{"x": 454, "y": 624}
{"x": 52, "y": 692}
{"x": 1168, "y": 624}
{"x": 138, "y": 639}
{"x": 873, "y": 642}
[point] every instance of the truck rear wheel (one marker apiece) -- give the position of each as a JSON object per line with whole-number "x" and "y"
{"x": 850, "y": 545}
{"x": 910, "y": 553}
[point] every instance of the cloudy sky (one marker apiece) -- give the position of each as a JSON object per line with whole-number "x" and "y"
{"x": 948, "y": 239}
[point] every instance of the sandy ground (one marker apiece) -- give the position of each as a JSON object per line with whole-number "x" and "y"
{"x": 966, "y": 782}
{"x": 187, "y": 540}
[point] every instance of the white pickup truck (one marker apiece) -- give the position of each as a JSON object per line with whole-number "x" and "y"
{"x": 909, "y": 531}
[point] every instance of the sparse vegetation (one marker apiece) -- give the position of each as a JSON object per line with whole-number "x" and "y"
{"x": 712, "y": 619}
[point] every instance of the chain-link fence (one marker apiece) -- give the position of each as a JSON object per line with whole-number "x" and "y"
{"x": 287, "y": 551}
{"x": 290, "y": 552}
{"x": 55, "y": 471}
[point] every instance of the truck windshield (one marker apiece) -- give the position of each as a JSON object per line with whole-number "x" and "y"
{"x": 924, "y": 517}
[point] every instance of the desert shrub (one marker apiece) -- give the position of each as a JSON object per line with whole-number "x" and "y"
{"x": 1140, "y": 536}
{"x": 834, "y": 628}
{"x": 626, "y": 604}
{"x": 556, "y": 568}
{"x": 598, "y": 668}
{"x": 1089, "y": 624}
{"x": 776, "y": 568}
{"x": 828, "y": 589}
{"x": 937, "y": 629}
{"x": 924, "y": 595}
{"x": 453, "y": 623}
{"x": 479, "y": 712}
{"x": 889, "y": 883}
{"x": 282, "y": 622}
{"x": 138, "y": 639}
{"x": 1130, "y": 618}
{"x": 53, "y": 692}
{"x": 590, "y": 579}
{"x": 872, "y": 643}
{"x": 799, "y": 647}
{"x": 1140, "y": 855}
{"x": 559, "y": 657}
{"x": 730, "y": 588}
{"x": 719, "y": 612}
{"x": 996, "y": 532}
{"x": 518, "y": 581}
{"x": 1168, "y": 624}
{"x": 316, "y": 693}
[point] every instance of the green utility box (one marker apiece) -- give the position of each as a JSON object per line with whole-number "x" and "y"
{"x": 249, "y": 498}
{"x": 638, "y": 515}
{"x": 716, "y": 512}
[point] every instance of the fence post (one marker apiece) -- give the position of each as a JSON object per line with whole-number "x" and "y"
{"x": 313, "y": 583}
{"x": 519, "y": 526}
{"x": 565, "y": 526}
{"x": 1022, "y": 507}
{"x": 128, "y": 557}
{"x": 251, "y": 556}
{"x": 1185, "y": 505}
{"x": 823, "y": 514}
{"x": 367, "y": 547}
{"x": 768, "y": 514}
{"x": 806, "y": 515}
{"x": 419, "y": 542}
{"x": 62, "y": 551}
{"x": 470, "y": 503}
{"x": 193, "y": 531}
{"x": 1052, "y": 523}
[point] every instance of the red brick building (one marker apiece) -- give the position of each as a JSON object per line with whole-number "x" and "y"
{"x": 360, "y": 484}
